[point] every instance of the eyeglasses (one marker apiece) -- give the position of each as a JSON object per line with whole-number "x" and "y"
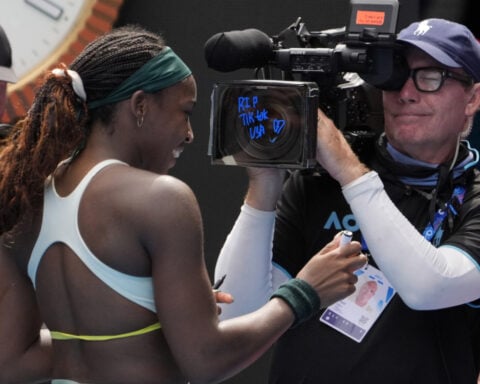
{"x": 431, "y": 79}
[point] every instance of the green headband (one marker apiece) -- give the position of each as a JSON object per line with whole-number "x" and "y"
{"x": 160, "y": 72}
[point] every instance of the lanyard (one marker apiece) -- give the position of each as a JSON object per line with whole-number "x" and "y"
{"x": 450, "y": 207}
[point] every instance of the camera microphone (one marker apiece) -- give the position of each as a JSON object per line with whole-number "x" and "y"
{"x": 229, "y": 51}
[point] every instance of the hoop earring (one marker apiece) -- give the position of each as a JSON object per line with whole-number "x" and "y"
{"x": 140, "y": 121}
{"x": 189, "y": 137}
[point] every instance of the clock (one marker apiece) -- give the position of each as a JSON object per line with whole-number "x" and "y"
{"x": 43, "y": 33}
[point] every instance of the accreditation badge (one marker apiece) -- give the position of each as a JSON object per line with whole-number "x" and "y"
{"x": 355, "y": 315}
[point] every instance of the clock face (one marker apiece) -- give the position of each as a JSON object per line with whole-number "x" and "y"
{"x": 43, "y": 33}
{"x": 46, "y": 25}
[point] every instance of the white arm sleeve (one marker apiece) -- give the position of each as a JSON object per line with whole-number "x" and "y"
{"x": 424, "y": 276}
{"x": 246, "y": 259}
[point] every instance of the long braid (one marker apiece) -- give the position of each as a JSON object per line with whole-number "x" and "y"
{"x": 58, "y": 123}
{"x": 36, "y": 144}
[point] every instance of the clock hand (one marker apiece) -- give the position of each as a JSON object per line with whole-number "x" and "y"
{"x": 47, "y": 7}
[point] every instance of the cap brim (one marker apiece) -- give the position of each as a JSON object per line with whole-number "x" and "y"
{"x": 434, "y": 52}
{"x": 7, "y": 74}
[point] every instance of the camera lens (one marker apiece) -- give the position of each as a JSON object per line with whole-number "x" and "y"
{"x": 263, "y": 123}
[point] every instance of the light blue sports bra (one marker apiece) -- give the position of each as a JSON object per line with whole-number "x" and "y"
{"x": 60, "y": 225}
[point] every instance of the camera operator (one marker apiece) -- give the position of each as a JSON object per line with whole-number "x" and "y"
{"x": 415, "y": 206}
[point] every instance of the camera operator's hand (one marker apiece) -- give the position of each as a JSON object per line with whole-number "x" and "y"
{"x": 331, "y": 270}
{"x": 264, "y": 187}
{"x": 334, "y": 153}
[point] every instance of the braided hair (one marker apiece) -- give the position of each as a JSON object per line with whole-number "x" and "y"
{"x": 59, "y": 122}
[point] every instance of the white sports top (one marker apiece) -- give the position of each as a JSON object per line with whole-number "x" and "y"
{"x": 60, "y": 225}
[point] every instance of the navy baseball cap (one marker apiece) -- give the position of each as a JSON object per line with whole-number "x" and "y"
{"x": 6, "y": 72}
{"x": 451, "y": 44}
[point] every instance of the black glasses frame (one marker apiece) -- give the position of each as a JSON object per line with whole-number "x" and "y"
{"x": 445, "y": 74}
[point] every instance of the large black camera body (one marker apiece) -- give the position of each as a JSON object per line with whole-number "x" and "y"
{"x": 271, "y": 122}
